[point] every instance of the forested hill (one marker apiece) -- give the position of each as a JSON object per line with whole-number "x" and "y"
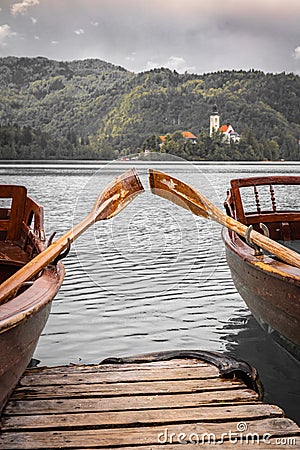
{"x": 92, "y": 108}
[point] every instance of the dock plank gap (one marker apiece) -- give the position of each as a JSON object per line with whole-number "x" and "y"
{"x": 153, "y": 401}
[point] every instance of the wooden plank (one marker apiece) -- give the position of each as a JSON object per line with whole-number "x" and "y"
{"x": 139, "y": 436}
{"x": 36, "y": 379}
{"x": 120, "y": 389}
{"x": 73, "y": 405}
{"x": 140, "y": 418}
{"x": 84, "y": 368}
{"x": 12, "y": 252}
{"x": 18, "y": 195}
{"x": 4, "y": 224}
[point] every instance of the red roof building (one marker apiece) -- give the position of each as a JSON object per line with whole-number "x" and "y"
{"x": 185, "y": 134}
{"x": 229, "y": 133}
{"x": 188, "y": 135}
{"x": 226, "y": 128}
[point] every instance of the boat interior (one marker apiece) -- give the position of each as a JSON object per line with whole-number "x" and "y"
{"x": 272, "y": 201}
{"x": 21, "y": 229}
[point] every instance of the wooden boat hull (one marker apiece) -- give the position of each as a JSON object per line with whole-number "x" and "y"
{"x": 22, "y": 320}
{"x": 271, "y": 294}
{"x": 30, "y": 271}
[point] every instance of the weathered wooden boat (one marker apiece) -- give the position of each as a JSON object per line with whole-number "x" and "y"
{"x": 31, "y": 272}
{"x": 269, "y": 281}
{"x": 269, "y": 286}
{"x": 23, "y": 317}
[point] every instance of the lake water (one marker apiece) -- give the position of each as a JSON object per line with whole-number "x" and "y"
{"x": 154, "y": 277}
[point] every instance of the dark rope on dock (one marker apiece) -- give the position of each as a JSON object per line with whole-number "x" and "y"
{"x": 228, "y": 366}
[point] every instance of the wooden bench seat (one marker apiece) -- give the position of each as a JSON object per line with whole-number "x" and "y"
{"x": 12, "y": 253}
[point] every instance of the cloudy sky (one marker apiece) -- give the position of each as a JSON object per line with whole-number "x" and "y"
{"x": 185, "y": 35}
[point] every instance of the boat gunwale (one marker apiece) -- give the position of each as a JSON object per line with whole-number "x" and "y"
{"x": 264, "y": 262}
{"x": 42, "y": 291}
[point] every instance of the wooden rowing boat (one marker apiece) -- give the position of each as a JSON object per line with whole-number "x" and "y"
{"x": 269, "y": 286}
{"x": 268, "y": 281}
{"x": 23, "y": 317}
{"x": 31, "y": 272}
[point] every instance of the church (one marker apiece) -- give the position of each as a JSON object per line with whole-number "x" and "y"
{"x": 227, "y": 130}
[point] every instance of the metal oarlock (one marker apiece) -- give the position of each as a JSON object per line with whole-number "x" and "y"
{"x": 49, "y": 242}
{"x": 265, "y": 229}
{"x": 63, "y": 254}
{"x": 258, "y": 251}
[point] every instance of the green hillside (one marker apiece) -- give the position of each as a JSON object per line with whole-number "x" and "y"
{"x": 94, "y": 109}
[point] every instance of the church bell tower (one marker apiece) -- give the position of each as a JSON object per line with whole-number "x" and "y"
{"x": 214, "y": 121}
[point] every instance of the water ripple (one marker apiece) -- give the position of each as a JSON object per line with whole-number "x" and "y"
{"x": 153, "y": 278}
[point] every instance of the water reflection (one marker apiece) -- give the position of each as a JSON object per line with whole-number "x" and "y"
{"x": 278, "y": 370}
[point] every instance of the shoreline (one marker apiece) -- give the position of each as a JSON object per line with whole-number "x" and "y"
{"x": 96, "y": 163}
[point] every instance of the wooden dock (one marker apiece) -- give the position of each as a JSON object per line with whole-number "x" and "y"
{"x": 141, "y": 404}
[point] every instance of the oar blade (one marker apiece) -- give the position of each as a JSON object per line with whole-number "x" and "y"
{"x": 117, "y": 195}
{"x": 177, "y": 191}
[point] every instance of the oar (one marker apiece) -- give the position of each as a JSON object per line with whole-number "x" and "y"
{"x": 110, "y": 202}
{"x": 189, "y": 198}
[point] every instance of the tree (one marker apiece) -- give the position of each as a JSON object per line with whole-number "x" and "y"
{"x": 106, "y": 151}
{"x": 271, "y": 150}
{"x": 249, "y": 147}
{"x": 152, "y": 143}
{"x": 26, "y": 136}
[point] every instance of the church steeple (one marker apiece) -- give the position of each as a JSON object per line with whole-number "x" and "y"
{"x": 214, "y": 121}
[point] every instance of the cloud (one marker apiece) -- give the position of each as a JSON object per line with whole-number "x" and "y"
{"x": 186, "y": 35}
{"x": 79, "y": 31}
{"x": 54, "y": 42}
{"x": 179, "y": 64}
{"x": 297, "y": 52}
{"x": 5, "y": 33}
{"x": 22, "y": 7}
{"x": 173, "y": 63}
